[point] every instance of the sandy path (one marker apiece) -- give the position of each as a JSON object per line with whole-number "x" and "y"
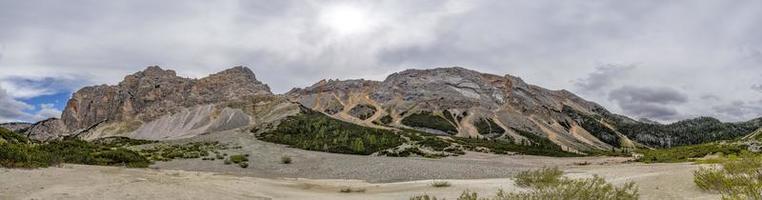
{"x": 661, "y": 181}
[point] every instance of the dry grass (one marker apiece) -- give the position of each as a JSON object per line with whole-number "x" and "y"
{"x": 734, "y": 178}
{"x": 549, "y": 183}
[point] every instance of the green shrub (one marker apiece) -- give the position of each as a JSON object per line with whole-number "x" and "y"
{"x": 285, "y": 160}
{"x": 686, "y": 153}
{"x": 238, "y": 158}
{"x": 539, "y": 178}
{"x": 739, "y": 178}
{"x": 547, "y": 184}
{"x": 68, "y": 151}
{"x": 350, "y": 190}
{"x": 316, "y": 131}
{"x": 577, "y": 189}
{"x": 424, "y": 197}
{"x": 11, "y": 137}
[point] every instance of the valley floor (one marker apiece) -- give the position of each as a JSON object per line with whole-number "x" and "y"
{"x": 656, "y": 181}
{"x": 316, "y": 175}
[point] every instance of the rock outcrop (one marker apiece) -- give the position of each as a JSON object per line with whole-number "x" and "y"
{"x": 157, "y": 104}
{"x": 48, "y": 129}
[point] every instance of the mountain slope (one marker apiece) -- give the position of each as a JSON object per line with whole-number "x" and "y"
{"x": 460, "y": 102}
{"x": 440, "y": 111}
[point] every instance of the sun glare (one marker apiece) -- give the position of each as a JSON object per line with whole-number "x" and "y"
{"x": 345, "y": 19}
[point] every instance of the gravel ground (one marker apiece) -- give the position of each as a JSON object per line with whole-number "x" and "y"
{"x": 265, "y": 162}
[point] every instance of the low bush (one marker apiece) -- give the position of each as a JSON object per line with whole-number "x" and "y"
{"x": 737, "y": 178}
{"x": 687, "y": 153}
{"x": 539, "y": 178}
{"x": 285, "y": 160}
{"x": 238, "y": 158}
{"x": 68, "y": 151}
{"x": 548, "y": 184}
{"x": 440, "y": 184}
{"x": 351, "y": 190}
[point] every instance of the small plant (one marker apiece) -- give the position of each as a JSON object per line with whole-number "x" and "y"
{"x": 424, "y": 197}
{"x": 227, "y": 162}
{"x": 440, "y": 184}
{"x": 238, "y": 158}
{"x": 737, "y": 178}
{"x": 351, "y": 190}
{"x": 548, "y": 183}
{"x": 285, "y": 160}
{"x": 244, "y": 165}
{"x": 539, "y": 178}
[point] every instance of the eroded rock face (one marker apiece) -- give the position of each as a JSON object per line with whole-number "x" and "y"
{"x": 154, "y": 92}
{"x": 462, "y": 97}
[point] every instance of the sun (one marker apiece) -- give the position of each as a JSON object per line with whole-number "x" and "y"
{"x": 346, "y": 19}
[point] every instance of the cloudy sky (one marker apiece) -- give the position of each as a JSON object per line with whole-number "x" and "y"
{"x": 664, "y": 60}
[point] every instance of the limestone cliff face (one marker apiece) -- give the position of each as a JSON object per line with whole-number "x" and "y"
{"x": 154, "y": 92}
{"x": 464, "y": 98}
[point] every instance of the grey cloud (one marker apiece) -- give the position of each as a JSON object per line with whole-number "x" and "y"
{"x": 548, "y": 43}
{"x": 602, "y": 77}
{"x": 757, "y": 87}
{"x": 11, "y": 109}
{"x": 739, "y": 110}
{"x": 654, "y": 103}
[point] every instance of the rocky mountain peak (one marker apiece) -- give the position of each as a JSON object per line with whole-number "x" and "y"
{"x": 238, "y": 72}
{"x": 153, "y": 92}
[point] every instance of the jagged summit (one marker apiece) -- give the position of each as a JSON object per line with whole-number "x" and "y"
{"x": 154, "y": 92}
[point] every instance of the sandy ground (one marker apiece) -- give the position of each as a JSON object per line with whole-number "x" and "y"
{"x": 660, "y": 181}
{"x": 317, "y": 175}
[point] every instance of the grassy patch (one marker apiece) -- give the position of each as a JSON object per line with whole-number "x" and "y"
{"x": 549, "y": 184}
{"x": 240, "y": 158}
{"x": 736, "y": 178}
{"x": 539, "y": 178}
{"x": 167, "y": 152}
{"x": 316, "y": 131}
{"x": 688, "y": 153}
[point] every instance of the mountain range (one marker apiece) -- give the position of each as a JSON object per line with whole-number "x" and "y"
{"x": 449, "y": 104}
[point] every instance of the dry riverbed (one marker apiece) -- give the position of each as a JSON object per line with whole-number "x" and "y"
{"x": 656, "y": 181}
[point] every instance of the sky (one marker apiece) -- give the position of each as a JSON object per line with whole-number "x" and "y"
{"x": 662, "y": 60}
